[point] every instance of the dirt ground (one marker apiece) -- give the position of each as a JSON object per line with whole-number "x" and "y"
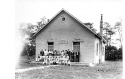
{"x": 108, "y": 70}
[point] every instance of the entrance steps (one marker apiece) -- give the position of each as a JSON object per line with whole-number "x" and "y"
{"x": 36, "y": 62}
{"x": 81, "y": 64}
{"x": 72, "y": 64}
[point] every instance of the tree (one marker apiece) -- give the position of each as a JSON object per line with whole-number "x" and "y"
{"x": 41, "y": 23}
{"x": 108, "y": 32}
{"x": 112, "y": 53}
{"x": 27, "y": 30}
{"x": 118, "y": 27}
{"x": 120, "y": 53}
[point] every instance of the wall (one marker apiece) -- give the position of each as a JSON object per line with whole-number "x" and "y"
{"x": 102, "y": 53}
{"x": 96, "y": 53}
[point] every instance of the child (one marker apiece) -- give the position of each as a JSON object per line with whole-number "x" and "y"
{"x": 38, "y": 58}
{"x": 46, "y": 52}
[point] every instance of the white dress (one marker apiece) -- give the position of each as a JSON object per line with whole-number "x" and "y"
{"x": 46, "y": 53}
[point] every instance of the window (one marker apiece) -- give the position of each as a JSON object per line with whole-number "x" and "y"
{"x": 76, "y": 43}
{"x": 76, "y": 46}
{"x": 97, "y": 49}
{"x": 63, "y": 19}
{"x": 50, "y": 43}
{"x": 50, "y": 46}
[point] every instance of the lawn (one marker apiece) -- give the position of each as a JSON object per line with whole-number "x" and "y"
{"x": 108, "y": 70}
{"x": 24, "y": 62}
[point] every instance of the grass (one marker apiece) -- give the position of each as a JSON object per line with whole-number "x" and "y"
{"x": 24, "y": 62}
{"x": 108, "y": 70}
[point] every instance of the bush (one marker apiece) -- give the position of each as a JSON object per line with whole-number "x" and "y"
{"x": 112, "y": 53}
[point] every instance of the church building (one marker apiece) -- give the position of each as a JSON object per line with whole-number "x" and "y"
{"x": 64, "y": 31}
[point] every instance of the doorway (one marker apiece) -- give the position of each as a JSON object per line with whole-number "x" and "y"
{"x": 76, "y": 52}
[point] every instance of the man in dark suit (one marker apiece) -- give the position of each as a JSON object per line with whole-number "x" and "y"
{"x": 42, "y": 53}
{"x": 77, "y": 56}
{"x": 72, "y": 56}
{"x": 69, "y": 52}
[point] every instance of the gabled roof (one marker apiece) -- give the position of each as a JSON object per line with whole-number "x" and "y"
{"x": 73, "y": 18}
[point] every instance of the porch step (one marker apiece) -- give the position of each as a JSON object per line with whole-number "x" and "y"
{"x": 36, "y": 62}
{"x": 80, "y": 63}
{"x": 72, "y": 63}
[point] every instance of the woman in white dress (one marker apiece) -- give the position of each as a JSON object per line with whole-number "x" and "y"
{"x": 46, "y": 56}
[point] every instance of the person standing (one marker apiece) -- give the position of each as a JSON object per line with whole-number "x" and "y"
{"x": 46, "y": 52}
{"x": 75, "y": 58}
{"x": 72, "y": 56}
{"x": 63, "y": 52}
{"x": 49, "y": 52}
{"x": 42, "y": 53}
{"x": 69, "y": 52}
{"x": 46, "y": 56}
{"x": 38, "y": 58}
{"x": 55, "y": 53}
{"x": 78, "y": 56}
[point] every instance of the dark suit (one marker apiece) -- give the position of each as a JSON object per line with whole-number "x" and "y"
{"x": 72, "y": 56}
{"x": 42, "y": 53}
{"x": 68, "y": 52}
{"x": 75, "y": 58}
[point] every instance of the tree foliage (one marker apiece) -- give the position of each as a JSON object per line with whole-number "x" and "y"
{"x": 114, "y": 30}
{"x": 27, "y": 31}
{"x": 118, "y": 26}
{"x": 108, "y": 32}
{"x": 112, "y": 53}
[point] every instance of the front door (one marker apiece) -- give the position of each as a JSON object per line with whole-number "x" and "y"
{"x": 76, "y": 51}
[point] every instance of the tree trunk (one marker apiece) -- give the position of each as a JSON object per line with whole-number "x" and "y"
{"x": 27, "y": 53}
{"x": 110, "y": 41}
{"x": 120, "y": 37}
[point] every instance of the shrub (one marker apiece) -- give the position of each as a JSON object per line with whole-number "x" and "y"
{"x": 112, "y": 53}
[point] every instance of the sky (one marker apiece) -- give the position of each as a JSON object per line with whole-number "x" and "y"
{"x": 31, "y": 11}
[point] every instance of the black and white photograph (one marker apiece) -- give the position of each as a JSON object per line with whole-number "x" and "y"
{"x": 68, "y": 39}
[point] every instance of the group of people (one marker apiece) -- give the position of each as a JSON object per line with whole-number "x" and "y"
{"x": 58, "y": 57}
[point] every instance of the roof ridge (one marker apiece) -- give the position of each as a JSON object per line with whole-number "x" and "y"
{"x": 71, "y": 16}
